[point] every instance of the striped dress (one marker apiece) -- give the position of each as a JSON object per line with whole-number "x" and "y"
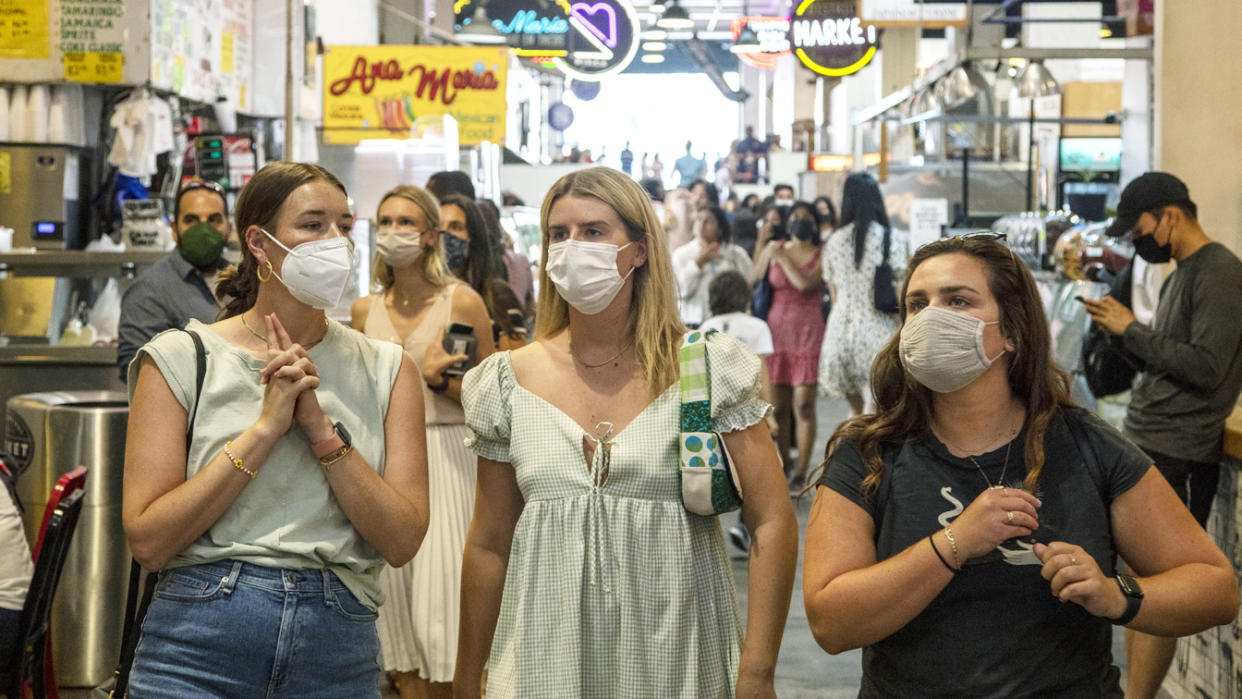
{"x": 613, "y": 588}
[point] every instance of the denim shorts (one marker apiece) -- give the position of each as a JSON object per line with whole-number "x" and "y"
{"x": 234, "y": 629}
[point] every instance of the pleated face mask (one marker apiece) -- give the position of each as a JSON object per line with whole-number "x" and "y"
{"x": 943, "y": 349}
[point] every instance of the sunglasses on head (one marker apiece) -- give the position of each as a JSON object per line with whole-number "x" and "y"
{"x": 982, "y": 235}
{"x": 200, "y": 184}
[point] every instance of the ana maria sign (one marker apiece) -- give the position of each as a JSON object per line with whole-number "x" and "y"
{"x": 830, "y": 39}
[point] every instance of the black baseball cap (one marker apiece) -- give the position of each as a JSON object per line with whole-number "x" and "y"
{"x": 1151, "y": 190}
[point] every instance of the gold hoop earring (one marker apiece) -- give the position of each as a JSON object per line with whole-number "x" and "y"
{"x": 258, "y": 271}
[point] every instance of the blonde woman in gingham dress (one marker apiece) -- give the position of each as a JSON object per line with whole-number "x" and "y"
{"x": 584, "y": 575}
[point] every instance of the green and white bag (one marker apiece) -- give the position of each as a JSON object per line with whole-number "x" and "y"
{"x": 709, "y": 485}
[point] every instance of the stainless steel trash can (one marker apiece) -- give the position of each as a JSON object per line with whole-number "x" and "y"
{"x": 49, "y": 434}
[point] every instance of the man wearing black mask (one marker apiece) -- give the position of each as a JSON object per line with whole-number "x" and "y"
{"x": 1193, "y": 355}
{"x": 179, "y": 287}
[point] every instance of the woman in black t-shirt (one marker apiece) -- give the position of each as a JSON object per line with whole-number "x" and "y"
{"x": 954, "y": 522}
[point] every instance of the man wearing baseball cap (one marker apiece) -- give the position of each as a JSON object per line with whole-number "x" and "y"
{"x": 1193, "y": 356}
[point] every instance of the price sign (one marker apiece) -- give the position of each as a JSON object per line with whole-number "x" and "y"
{"x": 85, "y": 67}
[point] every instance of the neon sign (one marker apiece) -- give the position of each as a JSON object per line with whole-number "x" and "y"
{"x": 828, "y": 37}
{"x": 528, "y": 22}
{"x": 773, "y": 33}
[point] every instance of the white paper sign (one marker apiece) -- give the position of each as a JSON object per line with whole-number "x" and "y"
{"x": 926, "y": 218}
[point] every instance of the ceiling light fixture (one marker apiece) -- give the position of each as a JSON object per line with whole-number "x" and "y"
{"x": 747, "y": 41}
{"x": 654, "y": 46}
{"x": 652, "y": 58}
{"x": 658, "y": 7}
{"x": 675, "y": 17}
{"x": 479, "y": 29}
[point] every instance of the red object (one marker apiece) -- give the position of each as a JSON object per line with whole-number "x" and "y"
{"x": 65, "y": 486}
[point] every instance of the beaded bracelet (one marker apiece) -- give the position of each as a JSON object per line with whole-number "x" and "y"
{"x": 946, "y": 563}
{"x": 237, "y": 463}
{"x": 948, "y": 534}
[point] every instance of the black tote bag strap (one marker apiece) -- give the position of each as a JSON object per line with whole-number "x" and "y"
{"x": 138, "y": 600}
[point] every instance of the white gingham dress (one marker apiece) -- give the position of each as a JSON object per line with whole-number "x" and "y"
{"x": 615, "y": 590}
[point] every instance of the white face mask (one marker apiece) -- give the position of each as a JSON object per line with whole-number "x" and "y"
{"x": 943, "y": 349}
{"x": 398, "y": 247}
{"x": 317, "y": 272}
{"x": 585, "y": 274}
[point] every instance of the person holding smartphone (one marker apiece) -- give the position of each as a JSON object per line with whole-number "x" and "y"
{"x": 424, "y": 308}
{"x": 966, "y": 534}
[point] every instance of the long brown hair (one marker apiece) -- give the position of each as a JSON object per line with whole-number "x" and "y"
{"x": 904, "y": 406}
{"x": 259, "y": 204}
{"x": 653, "y": 321}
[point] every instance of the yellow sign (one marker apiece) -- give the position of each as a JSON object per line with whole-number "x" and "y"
{"x": 24, "y": 29}
{"x": 226, "y": 53}
{"x": 379, "y": 91}
{"x": 94, "y": 67}
{"x": 6, "y": 174}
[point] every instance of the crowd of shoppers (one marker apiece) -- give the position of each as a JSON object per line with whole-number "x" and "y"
{"x": 520, "y": 531}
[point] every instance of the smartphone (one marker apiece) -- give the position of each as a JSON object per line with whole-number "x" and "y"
{"x": 460, "y": 340}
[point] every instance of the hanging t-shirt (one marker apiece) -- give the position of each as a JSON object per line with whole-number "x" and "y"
{"x": 995, "y": 630}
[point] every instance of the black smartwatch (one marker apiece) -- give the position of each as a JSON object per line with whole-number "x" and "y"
{"x": 1134, "y": 598}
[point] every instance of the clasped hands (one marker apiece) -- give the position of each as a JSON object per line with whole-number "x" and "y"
{"x": 1001, "y": 513}
{"x": 290, "y": 378}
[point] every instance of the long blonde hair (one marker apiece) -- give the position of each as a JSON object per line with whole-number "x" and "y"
{"x": 431, "y": 262}
{"x": 653, "y": 322}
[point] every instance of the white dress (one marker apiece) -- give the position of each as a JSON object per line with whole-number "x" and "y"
{"x": 418, "y": 621}
{"x": 856, "y": 331}
{"x": 612, "y": 591}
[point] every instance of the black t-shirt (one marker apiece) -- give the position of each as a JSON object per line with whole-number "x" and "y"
{"x": 995, "y": 630}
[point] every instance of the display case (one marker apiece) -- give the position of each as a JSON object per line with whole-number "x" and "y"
{"x": 50, "y": 303}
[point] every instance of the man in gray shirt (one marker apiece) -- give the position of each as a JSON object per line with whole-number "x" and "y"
{"x": 1193, "y": 356}
{"x": 179, "y": 287}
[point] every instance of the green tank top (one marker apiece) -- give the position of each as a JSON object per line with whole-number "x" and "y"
{"x": 287, "y": 517}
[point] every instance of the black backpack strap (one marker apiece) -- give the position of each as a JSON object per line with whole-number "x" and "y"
{"x": 888, "y": 243}
{"x": 137, "y": 601}
{"x": 200, "y": 372}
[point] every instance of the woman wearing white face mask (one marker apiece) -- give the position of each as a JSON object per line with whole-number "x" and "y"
{"x": 966, "y": 535}
{"x": 287, "y": 481}
{"x": 420, "y": 298}
{"x": 584, "y": 575}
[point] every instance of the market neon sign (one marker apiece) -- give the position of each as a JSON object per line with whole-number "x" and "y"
{"x": 830, "y": 39}
{"x": 773, "y": 33}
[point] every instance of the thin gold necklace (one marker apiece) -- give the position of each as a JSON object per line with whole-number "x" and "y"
{"x": 255, "y": 332}
{"x": 267, "y": 342}
{"x": 613, "y": 358}
{"x": 1001, "y": 482}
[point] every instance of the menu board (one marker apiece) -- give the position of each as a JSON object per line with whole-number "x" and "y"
{"x": 200, "y": 49}
{"x": 24, "y": 29}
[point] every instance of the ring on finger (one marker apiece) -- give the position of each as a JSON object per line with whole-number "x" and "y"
{"x": 1073, "y": 560}
{"x": 1009, "y": 515}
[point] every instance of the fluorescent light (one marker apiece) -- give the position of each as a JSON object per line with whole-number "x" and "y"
{"x": 675, "y": 17}
{"x": 655, "y": 46}
{"x": 655, "y": 35}
{"x": 652, "y": 58}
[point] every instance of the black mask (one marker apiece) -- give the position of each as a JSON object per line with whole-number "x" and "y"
{"x": 456, "y": 250}
{"x": 1146, "y": 247}
{"x": 802, "y": 229}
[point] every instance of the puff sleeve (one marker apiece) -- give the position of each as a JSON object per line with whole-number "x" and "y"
{"x": 485, "y": 397}
{"x": 735, "y": 384}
